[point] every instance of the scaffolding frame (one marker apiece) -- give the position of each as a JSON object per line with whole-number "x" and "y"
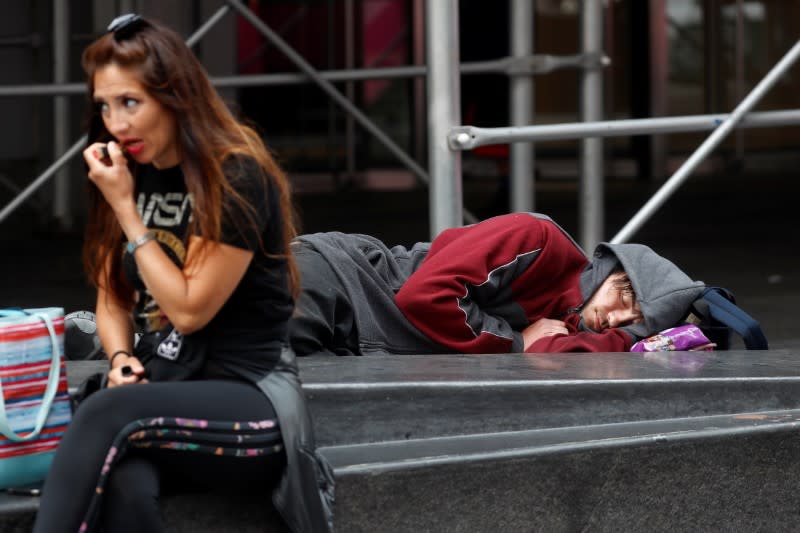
{"x": 446, "y": 138}
{"x": 442, "y": 73}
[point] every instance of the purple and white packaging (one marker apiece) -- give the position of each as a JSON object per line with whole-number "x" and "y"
{"x": 687, "y": 337}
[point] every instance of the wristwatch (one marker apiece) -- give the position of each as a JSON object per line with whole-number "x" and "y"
{"x": 140, "y": 240}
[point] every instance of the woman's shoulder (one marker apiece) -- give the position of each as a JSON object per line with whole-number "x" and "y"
{"x": 246, "y": 175}
{"x": 242, "y": 166}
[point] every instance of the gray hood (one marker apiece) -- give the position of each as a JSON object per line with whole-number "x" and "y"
{"x": 663, "y": 291}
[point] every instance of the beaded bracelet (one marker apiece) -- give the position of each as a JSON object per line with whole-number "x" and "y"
{"x": 118, "y": 352}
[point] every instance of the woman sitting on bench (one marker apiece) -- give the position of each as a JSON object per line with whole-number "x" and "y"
{"x": 188, "y": 242}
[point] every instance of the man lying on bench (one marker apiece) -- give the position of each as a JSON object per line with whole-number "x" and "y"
{"x": 511, "y": 283}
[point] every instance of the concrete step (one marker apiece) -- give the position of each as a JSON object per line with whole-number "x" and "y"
{"x": 601, "y": 442}
{"x": 375, "y": 399}
{"x": 720, "y": 473}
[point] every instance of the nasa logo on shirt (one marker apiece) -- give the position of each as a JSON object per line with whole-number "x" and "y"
{"x": 170, "y": 347}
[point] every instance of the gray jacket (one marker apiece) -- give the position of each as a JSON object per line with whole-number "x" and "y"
{"x": 370, "y": 274}
{"x": 304, "y": 496}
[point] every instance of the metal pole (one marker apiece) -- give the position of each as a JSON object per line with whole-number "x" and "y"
{"x": 608, "y": 50}
{"x": 62, "y": 209}
{"x": 659, "y": 78}
{"x": 739, "y": 84}
{"x": 350, "y": 89}
{"x": 590, "y": 201}
{"x": 419, "y": 103}
{"x": 712, "y": 54}
{"x": 534, "y": 65}
{"x": 207, "y": 25}
{"x": 470, "y": 137}
{"x": 80, "y": 143}
{"x": 444, "y": 112}
{"x": 42, "y": 179}
{"x": 522, "y": 174}
{"x": 708, "y": 145}
{"x": 50, "y": 89}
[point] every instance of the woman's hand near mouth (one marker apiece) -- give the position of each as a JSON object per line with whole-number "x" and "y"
{"x": 114, "y": 180}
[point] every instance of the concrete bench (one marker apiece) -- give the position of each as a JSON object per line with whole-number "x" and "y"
{"x": 599, "y": 442}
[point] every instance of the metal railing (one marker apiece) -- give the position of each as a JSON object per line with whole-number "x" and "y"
{"x": 446, "y": 139}
{"x": 446, "y": 189}
{"x": 79, "y": 144}
{"x": 467, "y": 137}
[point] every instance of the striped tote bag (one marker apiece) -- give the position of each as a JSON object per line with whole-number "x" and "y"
{"x": 34, "y": 401}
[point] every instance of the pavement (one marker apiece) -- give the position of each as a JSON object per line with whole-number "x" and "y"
{"x": 737, "y": 230}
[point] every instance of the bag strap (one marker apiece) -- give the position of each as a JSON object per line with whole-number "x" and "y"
{"x": 52, "y": 382}
{"x": 725, "y": 311}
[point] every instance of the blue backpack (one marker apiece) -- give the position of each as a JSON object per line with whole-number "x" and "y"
{"x": 716, "y": 314}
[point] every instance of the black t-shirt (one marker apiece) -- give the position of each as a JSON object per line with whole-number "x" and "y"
{"x": 244, "y": 339}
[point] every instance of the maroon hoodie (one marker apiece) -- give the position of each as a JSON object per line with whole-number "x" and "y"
{"x": 480, "y": 285}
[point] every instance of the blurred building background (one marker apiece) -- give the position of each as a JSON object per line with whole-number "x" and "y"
{"x": 667, "y": 58}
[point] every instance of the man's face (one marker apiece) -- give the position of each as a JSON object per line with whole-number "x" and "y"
{"x": 612, "y": 305}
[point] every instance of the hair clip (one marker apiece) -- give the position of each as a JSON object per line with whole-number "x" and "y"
{"x": 126, "y": 26}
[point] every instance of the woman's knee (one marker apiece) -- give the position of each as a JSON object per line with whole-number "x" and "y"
{"x": 130, "y": 496}
{"x": 133, "y": 481}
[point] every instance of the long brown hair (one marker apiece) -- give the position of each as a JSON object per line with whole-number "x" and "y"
{"x": 208, "y": 134}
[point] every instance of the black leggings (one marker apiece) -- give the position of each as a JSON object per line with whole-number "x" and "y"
{"x": 129, "y": 442}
